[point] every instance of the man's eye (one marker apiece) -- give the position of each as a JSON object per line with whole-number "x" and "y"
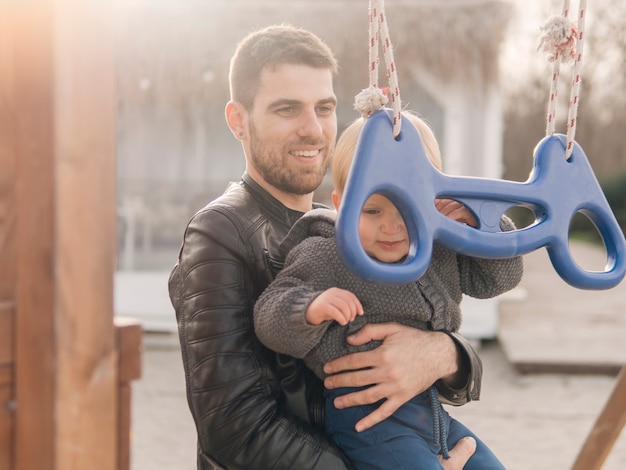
{"x": 286, "y": 110}
{"x": 324, "y": 110}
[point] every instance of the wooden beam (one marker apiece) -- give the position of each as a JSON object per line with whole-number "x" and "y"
{"x": 65, "y": 356}
{"x": 35, "y": 354}
{"x": 7, "y": 238}
{"x": 85, "y": 132}
{"x": 7, "y": 156}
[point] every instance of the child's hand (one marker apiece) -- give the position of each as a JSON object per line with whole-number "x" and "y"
{"x": 334, "y": 304}
{"x": 456, "y": 211}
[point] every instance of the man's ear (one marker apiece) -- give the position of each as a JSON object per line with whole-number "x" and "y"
{"x": 235, "y": 118}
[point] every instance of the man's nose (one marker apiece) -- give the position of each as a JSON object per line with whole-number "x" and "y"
{"x": 310, "y": 125}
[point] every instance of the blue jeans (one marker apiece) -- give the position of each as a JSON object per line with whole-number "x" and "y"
{"x": 402, "y": 441}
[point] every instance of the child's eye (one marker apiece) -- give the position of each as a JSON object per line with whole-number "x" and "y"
{"x": 371, "y": 211}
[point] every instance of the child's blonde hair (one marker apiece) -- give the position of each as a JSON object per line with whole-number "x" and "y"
{"x": 346, "y": 147}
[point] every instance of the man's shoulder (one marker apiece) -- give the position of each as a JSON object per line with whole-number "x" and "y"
{"x": 234, "y": 203}
{"x": 235, "y": 197}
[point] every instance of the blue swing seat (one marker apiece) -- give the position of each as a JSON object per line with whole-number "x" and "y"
{"x": 556, "y": 190}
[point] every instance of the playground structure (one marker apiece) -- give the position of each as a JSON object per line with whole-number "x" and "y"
{"x": 65, "y": 366}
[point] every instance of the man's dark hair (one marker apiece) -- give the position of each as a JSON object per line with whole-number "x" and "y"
{"x": 271, "y": 47}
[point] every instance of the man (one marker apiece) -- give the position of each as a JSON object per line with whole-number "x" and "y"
{"x": 254, "y": 408}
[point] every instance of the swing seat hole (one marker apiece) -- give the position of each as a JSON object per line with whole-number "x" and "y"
{"x": 582, "y": 231}
{"x": 522, "y": 216}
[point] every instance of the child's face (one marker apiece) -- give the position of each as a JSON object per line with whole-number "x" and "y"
{"x": 382, "y": 230}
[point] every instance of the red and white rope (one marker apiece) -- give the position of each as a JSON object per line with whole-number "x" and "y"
{"x": 564, "y": 41}
{"x": 372, "y": 98}
{"x": 554, "y": 91}
{"x": 576, "y": 80}
{"x": 373, "y": 51}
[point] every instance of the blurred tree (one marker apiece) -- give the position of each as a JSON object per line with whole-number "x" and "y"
{"x": 602, "y": 111}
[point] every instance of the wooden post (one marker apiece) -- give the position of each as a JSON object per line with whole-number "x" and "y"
{"x": 7, "y": 240}
{"x": 606, "y": 429}
{"x": 6, "y": 385}
{"x": 61, "y": 109}
{"x": 128, "y": 334}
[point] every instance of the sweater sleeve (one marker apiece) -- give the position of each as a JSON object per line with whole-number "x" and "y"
{"x": 487, "y": 278}
{"x": 279, "y": 314}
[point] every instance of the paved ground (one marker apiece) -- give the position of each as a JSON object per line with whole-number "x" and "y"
{"x": 559, "y": 328}
{"x": 531, "y": 421}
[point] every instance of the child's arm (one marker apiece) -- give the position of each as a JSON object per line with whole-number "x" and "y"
{"x": 335, "y": 304}
{"x": 280, "y": 319}
{"x": 482, "y": 278}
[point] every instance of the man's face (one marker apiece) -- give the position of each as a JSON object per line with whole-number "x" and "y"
{"x": 292, "y": 128}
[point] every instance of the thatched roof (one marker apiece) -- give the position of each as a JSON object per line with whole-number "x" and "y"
{"x": 172, "y": 68}
{"x": 184, "y": 45}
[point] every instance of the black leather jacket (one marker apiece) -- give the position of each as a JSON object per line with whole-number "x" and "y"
{"x": 253, "y": 408}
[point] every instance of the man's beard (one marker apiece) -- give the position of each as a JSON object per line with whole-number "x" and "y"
{"x": 277, "y": 173}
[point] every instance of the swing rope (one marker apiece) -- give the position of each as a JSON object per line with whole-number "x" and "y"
{"x": 373, "y": 98}
{"x": 563, "y": 41}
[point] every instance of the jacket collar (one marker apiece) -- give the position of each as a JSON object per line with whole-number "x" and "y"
{"x": 272, "y": 205}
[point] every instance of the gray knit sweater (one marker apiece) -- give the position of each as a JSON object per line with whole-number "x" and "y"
{"x": 314, "y": 265}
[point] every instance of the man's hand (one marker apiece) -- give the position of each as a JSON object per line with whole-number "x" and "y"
{"x": 459, "y": 454}
{"x": 404, "y": 365}
{"x": 334, "y": 304}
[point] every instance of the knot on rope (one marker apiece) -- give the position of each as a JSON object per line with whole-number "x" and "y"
{"x": 369, "y": 100}
{"x": 558, "y": 39}
{"x": 379, "y": 33}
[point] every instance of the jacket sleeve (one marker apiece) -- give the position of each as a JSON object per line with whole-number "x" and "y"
{"x": 233, "y": 388}
{"x": 473, "y": 368}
